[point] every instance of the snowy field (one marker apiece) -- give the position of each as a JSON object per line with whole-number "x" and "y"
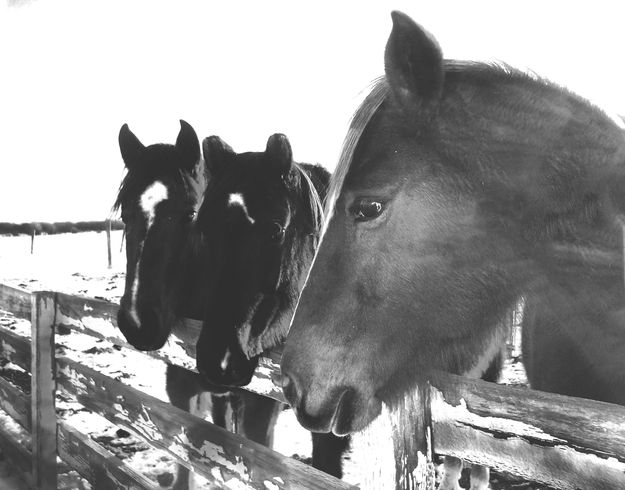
{"x": 77, "y": 264}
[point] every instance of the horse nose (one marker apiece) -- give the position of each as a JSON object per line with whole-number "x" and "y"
{"x": 315, "y": 413}
{"x": 228, "y": 368}
{"x": 148, "y": 335}
{"x": 322, "y": 406}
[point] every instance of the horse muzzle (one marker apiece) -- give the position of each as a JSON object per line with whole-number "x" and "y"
{"x": 224, "y": 367}
{"x": 149, "y": 334}
{"x": 340, "y": 409}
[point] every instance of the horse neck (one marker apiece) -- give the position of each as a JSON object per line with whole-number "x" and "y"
{"x": 584, "y": 276}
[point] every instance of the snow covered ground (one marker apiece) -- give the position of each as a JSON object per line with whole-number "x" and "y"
{"x": 77, "y": 264}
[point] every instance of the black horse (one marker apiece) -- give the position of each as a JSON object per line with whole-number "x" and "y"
{"x": 159, "y": 198}
{"x": 262, "y": 215}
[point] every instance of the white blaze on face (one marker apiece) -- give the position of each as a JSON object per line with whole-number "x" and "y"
{"x": 224, "y": 361}
{"x": 153, "y": 195}
{"x": 236, "y": 199}
{"x": 148, "y": 201}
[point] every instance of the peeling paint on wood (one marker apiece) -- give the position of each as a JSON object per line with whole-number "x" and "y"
{"x": 189, "y": 439}
{"x": 445, "y": 411}
{"x": 480, "y": 423}
{"x": 96, "y": 464}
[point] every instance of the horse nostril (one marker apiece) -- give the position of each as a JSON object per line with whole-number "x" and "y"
{"x": 290, "y": 390}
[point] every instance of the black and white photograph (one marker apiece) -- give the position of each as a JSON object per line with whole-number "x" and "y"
{"x": 276, "y": 245}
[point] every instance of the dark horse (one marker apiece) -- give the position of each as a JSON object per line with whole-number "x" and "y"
{"x": 462, "y": 187}
{"x": 159, "y": 199}
{"x": 259, "y": 226}
{"x": 171, "y": 273}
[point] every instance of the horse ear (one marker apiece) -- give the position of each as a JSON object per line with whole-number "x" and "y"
{"x": 129, "y": 145}
{"x": 413, "y": 63}
{"x": 215, "y": 151}
{"x": 278, "y": 153}
{"x": 187, "y": 146}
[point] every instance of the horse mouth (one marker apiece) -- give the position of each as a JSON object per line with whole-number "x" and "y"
{"x": 351, "y": 413}
{"x": 342, "y": 420}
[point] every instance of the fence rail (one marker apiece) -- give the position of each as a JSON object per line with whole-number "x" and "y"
{"x": 556, "y": 440}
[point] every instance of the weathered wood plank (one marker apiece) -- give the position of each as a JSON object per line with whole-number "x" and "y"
{"x": 15, "y": 348}
{"x": 43, "y": 389}
{"x": 213, "y": 452}
{"x": 15, "y": 300}
{"x": 16, "y": 403}
{"x": 560, "y": 441}
{"x": 101, "y": 468}
{"x": 18, "y": 454}
{"x": 411, "y": 424}
{"x": 590, "y": 424}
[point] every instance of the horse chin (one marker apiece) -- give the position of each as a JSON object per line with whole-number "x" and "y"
{"x": 354, "y": 417}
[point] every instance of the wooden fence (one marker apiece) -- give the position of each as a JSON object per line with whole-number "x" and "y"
{"x": 210, "y": 451}
{"x": 560, "y": 441}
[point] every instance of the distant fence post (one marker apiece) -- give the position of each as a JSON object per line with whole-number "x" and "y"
{"x": 411, "y": 423}
{"x": 108, "y": 242}
{"x": 32, "y": 241}
{"x": 43, "y": 387}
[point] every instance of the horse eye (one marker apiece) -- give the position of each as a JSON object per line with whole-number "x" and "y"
{"x": 277, "y": 232}
{"x": 367, "y": 209}
{"x": 191, "y": 214}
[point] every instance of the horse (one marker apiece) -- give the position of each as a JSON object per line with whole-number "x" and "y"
{"x": 461, "y": 188}
{"x": 258, "y": 228}
{"x": 159, "y": 199}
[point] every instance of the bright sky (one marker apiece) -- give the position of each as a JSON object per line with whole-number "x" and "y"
{"x": 73, "y": 71}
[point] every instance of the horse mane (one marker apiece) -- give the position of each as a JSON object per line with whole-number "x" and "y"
{"x": 313, "y": 189}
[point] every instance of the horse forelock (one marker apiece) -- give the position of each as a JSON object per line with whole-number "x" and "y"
{"x": 378, "y": 92}
{"x": 146, "y": 172}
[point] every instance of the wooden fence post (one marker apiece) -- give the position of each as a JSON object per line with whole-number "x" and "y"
{"x": 108, "y": 242}
{"x": 43, "y": 387}
{"x": 411, "y": 423}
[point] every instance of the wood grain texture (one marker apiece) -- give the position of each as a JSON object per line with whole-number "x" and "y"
{"x": 596, "y": 426}
{"x": 43, "y": 389}
{"x": 411, "y": 423}
{"x": 15, "y": 300}
{"x": 101, "y": 468}
{"x": 560, "y": 441}
{"x": 15, "y": 403}
{"x": 15, "y": 348}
